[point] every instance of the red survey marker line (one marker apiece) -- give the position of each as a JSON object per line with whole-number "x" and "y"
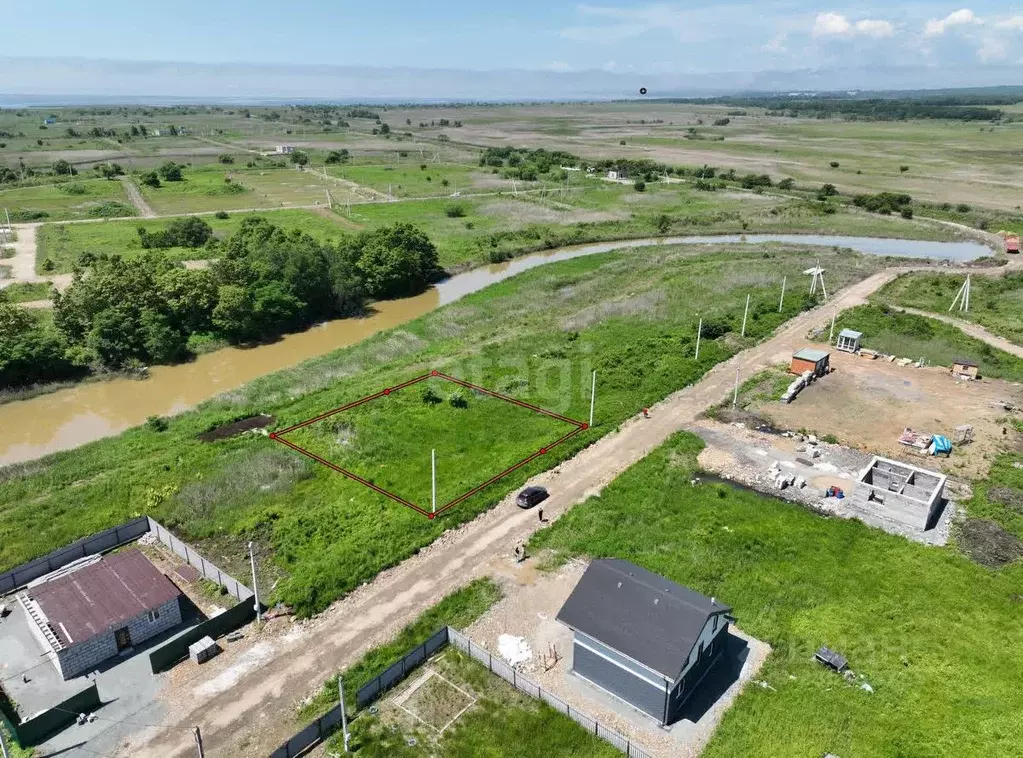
{"x": 512, "y": 400}
{"x": 351, "y": 405}
{"x": 351, "y": 475}
{"x": 509, "y": 470}
{"x": 580, "y": 426}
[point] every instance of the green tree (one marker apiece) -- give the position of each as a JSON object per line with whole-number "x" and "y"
{"x": 299, "y": 158}
{"x": 225, "y": 158}
{"x": 170, "y": 172}
{"x": 63, "y": 168}
{"x": 337, "y": 156}
{"x": 150, "y": 179}
{"x": 396, "y": 261}
{"x": 28, "y": 351}
{"x": 233, "y": 315}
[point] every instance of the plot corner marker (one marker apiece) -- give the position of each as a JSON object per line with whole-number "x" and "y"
{"x": 434, "y": 372}
{"x": 273, "y": 435}
{"x": 387, "y": 391}
{"x": 431, "y": 516}
{"x": 584, "y": 426}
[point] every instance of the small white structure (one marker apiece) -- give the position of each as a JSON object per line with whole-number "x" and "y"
{"x": 848, "y": 341}
{"x": 613, "y": 176}
{"x": 284, "y": 149}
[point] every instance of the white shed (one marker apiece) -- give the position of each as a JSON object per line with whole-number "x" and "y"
{"x": 848, "y": 341}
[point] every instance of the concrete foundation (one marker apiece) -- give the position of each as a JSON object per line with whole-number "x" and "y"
{"x": 903, "y": 493}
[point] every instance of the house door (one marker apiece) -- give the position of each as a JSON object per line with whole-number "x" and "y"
{"x": 123, "y": 638}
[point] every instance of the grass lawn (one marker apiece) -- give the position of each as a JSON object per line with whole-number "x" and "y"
{"x": 86, "y": 198}
{"x": 407, "y": 179}
{"x": 910, "y": 336}
{"x": 203, "y": 189}
{"x": 25, "y": 292}
{"x": 996, "y": 303}
{"x": 63, "y": 243}
{"x": 631, "y": 316}
{"x": 945, "y": 672}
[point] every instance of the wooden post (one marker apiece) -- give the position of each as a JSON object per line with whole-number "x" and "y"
{"x": 745, "y": 313}
{"x": 781, "y": 302}
{"x": 699, "y": 331}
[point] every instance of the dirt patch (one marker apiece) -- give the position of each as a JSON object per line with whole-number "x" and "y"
{"x": 986, "y": 543}
{"x": 867, "y": 404}
{"x": 1007, "y": 496}
{"x": 237, "y": 427}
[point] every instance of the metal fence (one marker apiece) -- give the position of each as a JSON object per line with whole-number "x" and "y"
{"x": 100, "y": 542}
{"x": 523, "y": 684}
{"x": 195, "y": 559}
{"x": 398, "y": 670}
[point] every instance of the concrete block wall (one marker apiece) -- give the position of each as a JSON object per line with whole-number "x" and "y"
{"x": 85, "y": 656}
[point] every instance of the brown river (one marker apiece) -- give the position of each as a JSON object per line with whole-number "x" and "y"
{"x": 68, "y": 418}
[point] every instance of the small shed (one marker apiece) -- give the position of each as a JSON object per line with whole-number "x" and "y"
{"x": 848, "y": 341}
{"x": 964, "y": 368}
{"x": 810, "y": 359}
{"x": 1012, "y": 244}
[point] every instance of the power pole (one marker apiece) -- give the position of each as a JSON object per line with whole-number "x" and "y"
{"x": 699, "y": 331}
{"x": 593, "y": 397}
{"x": 745, "y": 313}
{"x": 962, "y": 297}
{"x": 344, "y": 715}
{"x": 832, "y": 335}
{"x": 735, "y": 397}
{"x": 255, "y": 587}
{"x": 433, "y": 483}
{"x": 3, "y": 743}
{"x": 781, "y": 302}
{"x": 198, "y": 742}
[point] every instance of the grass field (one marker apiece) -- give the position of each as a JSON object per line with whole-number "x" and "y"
{"x": 907, "y": 335}
{"x": 944, "y": 672}
{"x": 64, "y": 243}
{"x": 407, "y": 179}
{"x": 24, "y": 292}
{"x": 202, "y": 189}
{"x": 87, "y": 198}
{"x": 996, "y": 303}
{"x": 537, "y": 337}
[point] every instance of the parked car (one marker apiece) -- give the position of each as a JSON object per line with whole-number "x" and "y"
{"x": 531, "y": 496}
{"x": 456, "y": 194}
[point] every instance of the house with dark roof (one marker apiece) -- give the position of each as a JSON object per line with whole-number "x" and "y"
{"x": 83, "y": 617}
{"x": 643, "y": 638}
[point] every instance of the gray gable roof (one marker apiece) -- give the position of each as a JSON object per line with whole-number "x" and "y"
{"x": 638, "y": 613}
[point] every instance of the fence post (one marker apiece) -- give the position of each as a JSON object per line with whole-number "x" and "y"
{"x": 515, "y": 682}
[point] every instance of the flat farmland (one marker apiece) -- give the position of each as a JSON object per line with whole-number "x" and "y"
{"x": 79, "y": 199}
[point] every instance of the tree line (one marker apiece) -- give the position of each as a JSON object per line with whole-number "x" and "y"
{"x": 124, "y": 313}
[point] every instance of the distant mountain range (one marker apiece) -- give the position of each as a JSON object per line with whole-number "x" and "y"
{"x": 57, "y": 81}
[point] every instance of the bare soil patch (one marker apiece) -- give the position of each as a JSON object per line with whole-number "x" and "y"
{"x": 988, "y": 544}
{"x": 531, "y": 213}
{"x": 237, "y": 427}
{"x": 867, "y": 404}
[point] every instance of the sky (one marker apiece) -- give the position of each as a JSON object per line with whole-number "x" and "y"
{"x": 676, "y": 42}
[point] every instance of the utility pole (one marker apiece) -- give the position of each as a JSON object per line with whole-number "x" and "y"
{"x": 198, "y": 742}
{"x": 433, "y": 484}
{"x": 832, "y": 335}
{"x": 255, "y": 587}
{"x": 735, "y": 397}
{"x": 344, "y": 715}
{"x": 593, "y": 397}
{"x": 781, "y": 303}
{"x": 699, "y": 332}
{"x": 962, "y": 297}
{"x": 3, "y": 743}
{"x": 745, "y": 313}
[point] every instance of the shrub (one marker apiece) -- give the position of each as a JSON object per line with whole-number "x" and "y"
{"x": 455, "y": 210}
{"x": 457, "y": 400}
{"x": 834, "y": 164}
{"x": 704, "y": 186}
{"x": 903, "y": 169}
{"x": 430, "y": 396}
{"x": 48, "y": 264}
{"x": 171, "y": 171}
{"x": 225, "y": 158}
{"x": 963, "y": 208}
{"x": 221, "y": 215}
{"x": 150, "y": 179}
{"x": 722, "y": 121}
{"x": 906, "y": 212}
{"x": 157, "y": 423}
{"x": 786, "y": 184}
{"x": 640, "y": 186}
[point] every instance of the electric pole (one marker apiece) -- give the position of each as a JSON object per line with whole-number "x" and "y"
{"x": 198, "y": 742}
{"x": 255, "y": 588}
{"x": 781, "y": 303}
{"x": 593, "y": 397}
{"x": 699, "y": 331}
{"x": 745, "y": 313}
{"x": 433, "y": 483}
{"x": 344, "y": 715}
{"x": 3, "y": 743}
{"x": 735, "y": 397}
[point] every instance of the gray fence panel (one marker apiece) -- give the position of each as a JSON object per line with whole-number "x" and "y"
{"x": 330, "y": 721}
{"x": 91, "y": 545}
{"x": 195, "y": 559}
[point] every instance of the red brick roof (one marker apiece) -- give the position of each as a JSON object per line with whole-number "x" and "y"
{"x": 103, "y": 596}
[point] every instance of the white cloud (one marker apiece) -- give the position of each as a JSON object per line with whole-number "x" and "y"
{"x": 992, "y": 50}
{"x": 938, "y": 26}
{"x": 1015, "y": 22}
{"x": 875, "y": 28}
{"x": 776, "y": 44}
{"x": 837, "y": 25}
{"x": 831, "y": 25}
{"x": 558, "y": 66}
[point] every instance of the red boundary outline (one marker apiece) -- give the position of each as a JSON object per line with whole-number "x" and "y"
{"x": 580, "y": 426}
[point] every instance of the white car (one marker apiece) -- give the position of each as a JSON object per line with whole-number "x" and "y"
{"x": 456, "y": 194}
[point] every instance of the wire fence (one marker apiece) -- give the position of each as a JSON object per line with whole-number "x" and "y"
{"x": 531, "y": 688}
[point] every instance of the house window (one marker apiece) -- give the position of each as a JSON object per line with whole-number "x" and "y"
{"x": 153, "y": 615}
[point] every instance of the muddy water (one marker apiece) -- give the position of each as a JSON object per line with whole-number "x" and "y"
{"x": 72, "y": 417}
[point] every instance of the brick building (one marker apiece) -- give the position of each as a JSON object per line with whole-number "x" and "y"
{"x": 91, "y": 614}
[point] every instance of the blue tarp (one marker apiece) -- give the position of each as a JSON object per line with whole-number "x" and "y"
{"x": 940, "y": 444}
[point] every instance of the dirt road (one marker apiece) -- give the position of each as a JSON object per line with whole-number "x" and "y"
{"x": 974, "y": 330}
{"x": 135, "y": 196}
{"x": 251, "y": 710}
